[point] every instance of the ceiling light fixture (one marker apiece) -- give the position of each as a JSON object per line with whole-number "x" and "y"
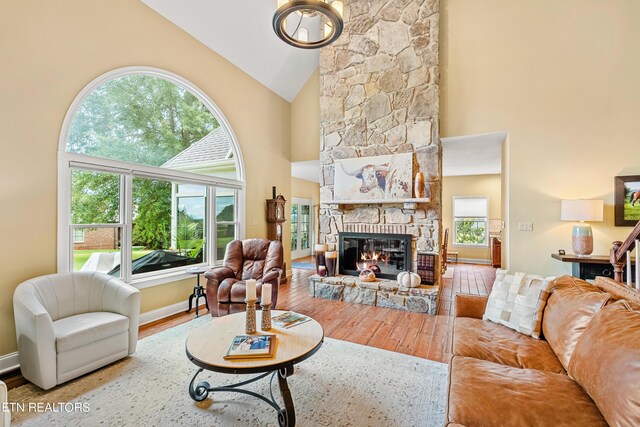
{"x": 314, "y": 23}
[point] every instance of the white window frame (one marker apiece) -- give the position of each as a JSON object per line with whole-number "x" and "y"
{"x": 484, "y": 219}
{"x": 68, "y": 160}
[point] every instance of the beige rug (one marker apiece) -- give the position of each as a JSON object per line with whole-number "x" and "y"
{"x": 343, "y": 384}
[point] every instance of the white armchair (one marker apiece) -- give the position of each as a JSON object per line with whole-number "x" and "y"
{"x": 72, "y": 323}
{"x": 5, "y": 416}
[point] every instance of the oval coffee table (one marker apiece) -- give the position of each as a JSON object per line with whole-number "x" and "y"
{"x": 207, "y": 346}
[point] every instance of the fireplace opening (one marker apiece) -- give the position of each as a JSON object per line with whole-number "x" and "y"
{"x": 385, "y": 254}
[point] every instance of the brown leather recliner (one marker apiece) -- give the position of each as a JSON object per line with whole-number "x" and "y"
{"x": 258, "y": 259}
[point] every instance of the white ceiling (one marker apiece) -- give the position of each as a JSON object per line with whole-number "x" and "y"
{"x": 308, "y": 170}
{"x": 240, "y": 31}
{"x": 472, "y": 154}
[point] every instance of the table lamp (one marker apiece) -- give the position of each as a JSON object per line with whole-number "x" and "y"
{"x": 582, "y": 210}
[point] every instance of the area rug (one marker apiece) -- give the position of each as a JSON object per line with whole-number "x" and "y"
{"x": 343, "y": 384}
{"x": 303, "y": 265}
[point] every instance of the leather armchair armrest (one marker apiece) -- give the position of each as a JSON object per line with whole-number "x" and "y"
{"x": 119, "y": 297}
{"x": 470, "y": 305}
{"x": 214, "y": 277}
{"x": 36, "y": 338}
{"x": 273, "y": 277}
{"x": 219, "y": 274}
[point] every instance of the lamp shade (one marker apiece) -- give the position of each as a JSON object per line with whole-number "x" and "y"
{"x": 581, "y": 210}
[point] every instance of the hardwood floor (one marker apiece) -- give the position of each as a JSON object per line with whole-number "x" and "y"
{"x": 410, "y": 333}
{"x": 416, "y": 334}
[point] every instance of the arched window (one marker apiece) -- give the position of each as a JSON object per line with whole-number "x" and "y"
{"x": 151, "y": 178}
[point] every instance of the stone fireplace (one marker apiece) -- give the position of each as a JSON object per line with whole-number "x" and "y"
{"x": 385, "y": 254}
{"x": 379, "y": 96}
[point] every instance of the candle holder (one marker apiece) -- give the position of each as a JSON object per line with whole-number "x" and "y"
{"x": 250, "y": 327}
{"x": 266, "y": 317}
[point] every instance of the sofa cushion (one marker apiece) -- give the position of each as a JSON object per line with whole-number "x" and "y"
{"x": 79, "y": 330}
{"x": 496, "y": 343}
{"x": 571, "y": 306}
{"x": 517, "y": 301}
{"x": 606, "y": 362}
{"x": 484, "y": 393}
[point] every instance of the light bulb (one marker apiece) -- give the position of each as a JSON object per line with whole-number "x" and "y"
{"x": 327, "y": 30}
{"x": 303, "y": 34}
{"x": 337, "y": 5}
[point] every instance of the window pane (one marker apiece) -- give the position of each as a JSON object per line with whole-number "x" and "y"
{"x": 95, "y": 197}
{"x": 163, "y": 239}
{"x": 151, "y": 121}
{"x": 225, "y": 234}
{"x": 470, "y": 231}
{"x": 225, "y": 205}
{"x": 188, "y": 237}
{"x": 98, "y": 251}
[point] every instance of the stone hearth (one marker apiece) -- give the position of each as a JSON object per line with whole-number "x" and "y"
{"x": 381, "y": 293}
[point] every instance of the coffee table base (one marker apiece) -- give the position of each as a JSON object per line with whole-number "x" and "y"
{"x": 286, "y": 415}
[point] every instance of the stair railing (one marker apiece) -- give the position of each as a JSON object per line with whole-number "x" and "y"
{"x": 621, "y": 255}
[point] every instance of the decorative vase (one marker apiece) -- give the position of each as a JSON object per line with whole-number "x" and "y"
{"x": 418, "y": 185}
{"x": 320, "y": 250}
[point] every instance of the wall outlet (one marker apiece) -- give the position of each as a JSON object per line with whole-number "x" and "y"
{"x": 525, "y": 226}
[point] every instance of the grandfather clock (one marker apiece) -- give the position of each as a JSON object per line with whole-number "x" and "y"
{"x": 275, "y": 219}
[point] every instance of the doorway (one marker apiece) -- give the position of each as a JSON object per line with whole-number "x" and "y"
{"x": 301, "y": 227}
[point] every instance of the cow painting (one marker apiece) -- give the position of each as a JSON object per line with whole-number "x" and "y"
{"x": 374, "y": 178}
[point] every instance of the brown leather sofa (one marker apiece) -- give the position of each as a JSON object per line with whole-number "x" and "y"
{"x": 258, "y": 259}
{"x": 585, "y": 372}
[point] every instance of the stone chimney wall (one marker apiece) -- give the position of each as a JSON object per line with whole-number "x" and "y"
{"x": 379, "y": 90}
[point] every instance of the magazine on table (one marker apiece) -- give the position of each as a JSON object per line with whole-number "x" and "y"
{"x": 251, "y": 346}
{"x": 289, "y": 319}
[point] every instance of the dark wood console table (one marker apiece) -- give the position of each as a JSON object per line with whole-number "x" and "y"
{"x": 589, "y": 268}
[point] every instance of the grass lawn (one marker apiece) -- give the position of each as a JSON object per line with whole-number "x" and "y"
{"x": 81, "y": 256}
{"x": 631, "y": 213}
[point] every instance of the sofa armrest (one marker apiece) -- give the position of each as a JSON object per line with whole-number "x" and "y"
{"x": 119, "y": 297}
{"x": 273, "y": 277}
{"x": 5, "y": 416}
{"x": 36, "y": 338}
{"x": 470, "y": 305}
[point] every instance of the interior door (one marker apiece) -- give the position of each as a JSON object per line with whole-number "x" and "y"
{"x": 301, "y": 228}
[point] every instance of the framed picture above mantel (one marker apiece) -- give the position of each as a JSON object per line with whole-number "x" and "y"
{"x": 627, "y": 200}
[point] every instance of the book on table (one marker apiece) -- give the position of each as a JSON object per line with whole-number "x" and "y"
{"x": 251, "y": 347}
{"x": 289, "y": 319}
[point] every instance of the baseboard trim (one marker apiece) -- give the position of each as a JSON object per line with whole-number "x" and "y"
{"x": 161, "y": 313}
{"x": 472, "y": 261}
{"x": 9, "y": 362}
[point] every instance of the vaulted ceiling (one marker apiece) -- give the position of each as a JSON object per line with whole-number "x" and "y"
{"x": 240, "y": 31}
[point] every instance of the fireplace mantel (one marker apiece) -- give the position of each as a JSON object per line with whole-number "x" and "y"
{"x": 408, "y": 203}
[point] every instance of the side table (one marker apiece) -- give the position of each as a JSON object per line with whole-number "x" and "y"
{"x": 198, "y": 290}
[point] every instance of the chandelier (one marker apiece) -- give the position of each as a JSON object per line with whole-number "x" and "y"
{"x": 308, "y": 24}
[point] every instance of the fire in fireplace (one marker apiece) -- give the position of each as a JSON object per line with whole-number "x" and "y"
{"x": 385, "y": 254}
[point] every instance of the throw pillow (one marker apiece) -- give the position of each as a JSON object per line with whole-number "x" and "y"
{"x": 517, "y": 301}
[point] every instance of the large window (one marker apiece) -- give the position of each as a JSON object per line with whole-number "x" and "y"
{"x": 151, "y": 179}
{"x": 470, "y": 221}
